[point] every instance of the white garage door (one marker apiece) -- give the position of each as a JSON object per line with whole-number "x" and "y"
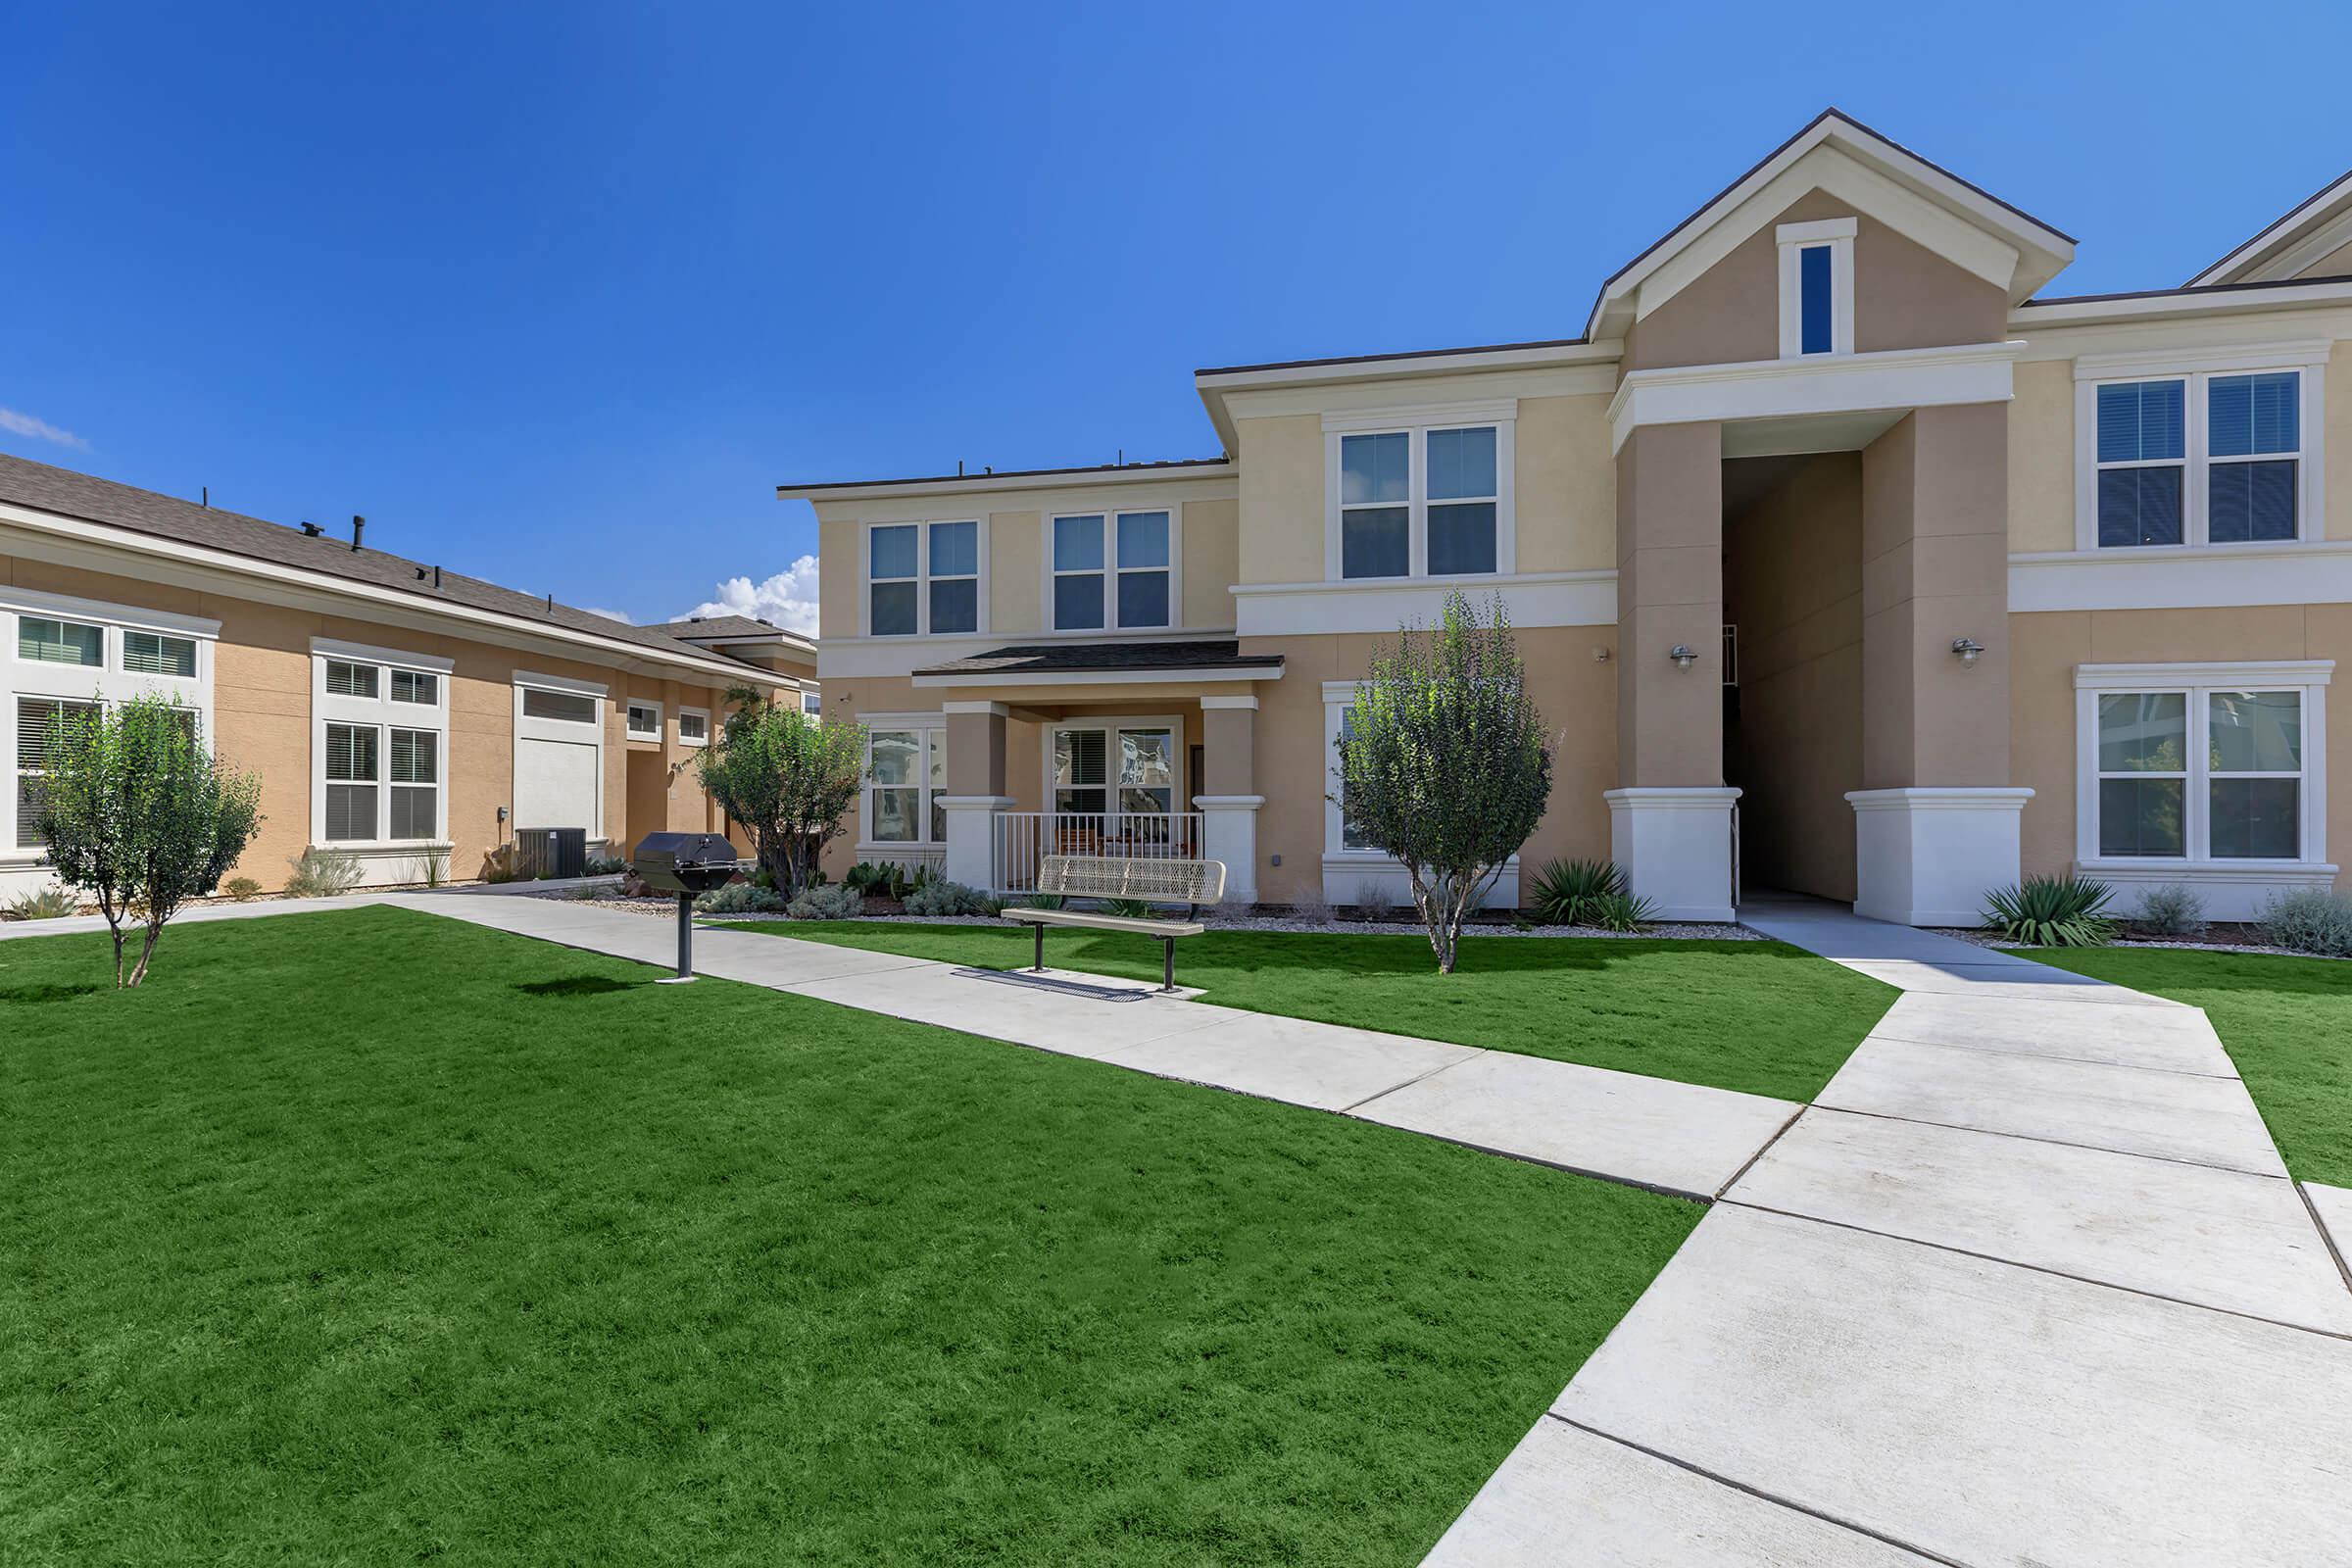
{"x": 554, "y": 784}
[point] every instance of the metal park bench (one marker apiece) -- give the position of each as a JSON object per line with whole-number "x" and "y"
{"x": 1190, "y": 883}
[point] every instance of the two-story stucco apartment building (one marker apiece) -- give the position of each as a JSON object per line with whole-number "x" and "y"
{"x": 1843, "y": 556}
{"x": 394, "y": 709}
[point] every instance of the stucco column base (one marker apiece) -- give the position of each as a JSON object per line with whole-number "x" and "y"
{"x": 1928, "y": 855}
{"x": 1229, "y": 833}
{"x": 972, "y": 838}
{"x": 1674, "y": 848}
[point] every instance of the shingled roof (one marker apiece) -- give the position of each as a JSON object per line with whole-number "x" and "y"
{"x": 1074, "y": 659}
{"x": 66, "y": 493}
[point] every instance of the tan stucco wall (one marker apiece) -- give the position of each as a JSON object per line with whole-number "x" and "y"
{"x": 262, "y": 681}
{"x": 1565, "y": 485}
{"x": 1016, "y": 543}
{"x": 1905, "y": 296}
{"x": 1282, "y": 498}
{"x": 1669, "y": 593}
{"x": 1792, "y": 586}
{"x": 2046, "y": 647}
{"x": 1211, "y": 561}
{"x": 2041, "y": 457}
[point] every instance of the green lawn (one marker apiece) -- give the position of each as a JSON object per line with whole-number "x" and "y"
{"x": 372, "y": 1237}
{"x": 1757, "y": 1016}
{"x": 2287, "y": 1024}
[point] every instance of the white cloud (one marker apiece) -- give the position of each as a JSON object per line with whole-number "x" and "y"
{"x": 39, "y": 429}
{"x": 620, "y": 616}
{"x": 787, "y": 599}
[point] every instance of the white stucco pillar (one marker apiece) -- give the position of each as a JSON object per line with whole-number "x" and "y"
{"x": 1927, "y": 855}
{"x": 1229, "y": 801}
{"x": 1229, "y": 833}
{"x": 1674, "y": 848}
{"x": 972, "y": 838}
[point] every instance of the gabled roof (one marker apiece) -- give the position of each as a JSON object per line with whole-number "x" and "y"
{"x": 1041, "y": 660}
{"x": 2313, "y": 228}
{"x": 85, "y": 498}
{"x": 1890, "y": 181}
{"x": 720, "y": 631}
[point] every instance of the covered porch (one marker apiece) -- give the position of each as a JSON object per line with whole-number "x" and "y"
{"x": 1138, "y": 748}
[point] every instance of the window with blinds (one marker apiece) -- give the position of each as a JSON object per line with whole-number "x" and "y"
{"x": 350, "y": 782}
{"x": 415, "y": 686}
{"x": 416, "y": 780}
{"x": 37, "y": 719}
{"x": 147, "y": 653}
{"x": 645, "y": 721}
{"x": 47, "y": 641}
{"x": 347, "y": 679}
{"x": 565, "y": 707}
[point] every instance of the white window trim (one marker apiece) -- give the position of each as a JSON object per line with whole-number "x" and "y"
{"x": 1838, "y": 235}
{"x": 702, "y": 713}
{"x": 384, "y": 715}
{"x": 934, "y": 728}
{"x": 108, "y": 681}
{"x": 2309, "y": 678}
{"x": 922, "y": 576}
{"x": 1179, "y": 797}
{"x": 1415, "y": 423}
{"x": 628, "y": 726}
{"x": 1109, "y": 570}
{"x": 584, "y": 732}
{"x": 2195, "y": 368}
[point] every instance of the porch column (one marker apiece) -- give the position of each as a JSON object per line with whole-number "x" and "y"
{"x": 1229, "y": 802}
{"x": 1670, "y": 822}
{"x": 1935, "y": 822}
{"x": 975, "y": 790}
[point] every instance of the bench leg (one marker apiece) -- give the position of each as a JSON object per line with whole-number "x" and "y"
{"x": 1037, "y": 965}
{"x": 1167, "y": 967}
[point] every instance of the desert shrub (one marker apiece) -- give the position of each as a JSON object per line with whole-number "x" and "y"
{"x": 46, "y": 904}
{"x": 1130, "y": 909}
{"x": 1567, "y": 891}
{"x": 1619, "y": 912}
{"x": 2172, "y": 911}
{"x": 2310, "y": 920}
{"x": 322, "y": 873}
{"x": 1044, "y": 900}
{"x": 2052, "y": 911}
{"x": 241, "y": 888}
{"x": 740, "y": 898}
{"x": 1311, "y": 909}
{"x": 1373, "y": 902}
{"x": 826, "y": 903}
{"x": 945, "y": 897}
{"x": 429, "y": 870}
{"x": 606, "y": 864}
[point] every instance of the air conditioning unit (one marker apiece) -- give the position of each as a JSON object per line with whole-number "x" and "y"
{"x": 550, "y": 852}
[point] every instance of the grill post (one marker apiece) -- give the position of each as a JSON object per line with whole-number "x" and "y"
{"x": 1037, "y": 965}
{"x": 685, "y": 941}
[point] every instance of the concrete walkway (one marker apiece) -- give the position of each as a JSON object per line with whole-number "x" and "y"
{"x": 2029, "y": 1285}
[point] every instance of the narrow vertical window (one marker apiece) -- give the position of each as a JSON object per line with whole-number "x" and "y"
{"x": 1815, "y": 301}
{"x": 1143, "y": 569}
{"x": 1080, "y": 772}
{"x": 2143, "y": 774}
{"x": 2255, "y": 795}
{"x": 893, "y": 765}
{"x": 2142, "y": 462}
{"x": 351, "y": 780}
{"x": 2253, "y": 441}
{"x": 38, "y": 720}
{"x": 1461, "y": 501}
{"x": 893, "y": 566}
{"x": 1078, "y": 558}
{"x": 953, "y": 579}
{"x": 416, "y": 780}
{"x": 1376, "y": 505}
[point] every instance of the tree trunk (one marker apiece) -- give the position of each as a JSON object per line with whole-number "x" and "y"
{"x": 147, "y": 952}
{"x": 116, "y": 927}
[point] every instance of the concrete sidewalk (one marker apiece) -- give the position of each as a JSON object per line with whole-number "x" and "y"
{"x": 2027, "y": 1286}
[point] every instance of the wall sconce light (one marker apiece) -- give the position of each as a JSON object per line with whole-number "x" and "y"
{"x": 1682, "y": 655}
{"x": 1600, "y": 656}
{"x": 1969, "y": 651}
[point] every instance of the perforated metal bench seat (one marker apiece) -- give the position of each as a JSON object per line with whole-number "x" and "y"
{"x": 1190, "y": 883}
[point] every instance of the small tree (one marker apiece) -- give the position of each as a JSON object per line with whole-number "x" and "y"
{"x": 137, "y": 812}
{"x": 789, "y": 778}
{"x": 1442, "y": 763}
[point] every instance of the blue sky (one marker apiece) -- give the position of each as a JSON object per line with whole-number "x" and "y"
{"x": 559, "y": 294}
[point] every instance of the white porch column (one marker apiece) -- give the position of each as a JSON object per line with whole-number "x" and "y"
{"x": 1229, "y": 833}
{"x": 976, "y": 778}
{"x": 1674, "y": 846}
{"x": 1927, "y": 855}
{"x": 972, "y": 838}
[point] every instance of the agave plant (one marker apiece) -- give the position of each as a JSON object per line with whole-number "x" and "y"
{"x": 2052, "y": 911}
{"x": 1620, "y": 910}
{"x": 1570, "y": 892}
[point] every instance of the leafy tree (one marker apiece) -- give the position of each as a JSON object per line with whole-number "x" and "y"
{"x": 137, "y": 812}
{"x": 789, "y": 778}
{"x": 1442, "y": 763}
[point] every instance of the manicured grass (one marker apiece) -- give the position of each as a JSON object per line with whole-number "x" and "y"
{"x": 2288, "y": 1024}
{"x": 1757, "y": 1016}
{"x": 372, "y": 1237}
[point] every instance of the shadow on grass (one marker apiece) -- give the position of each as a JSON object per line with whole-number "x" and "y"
{"x": 35, "y": 993}
{"x": 577, "y": 985}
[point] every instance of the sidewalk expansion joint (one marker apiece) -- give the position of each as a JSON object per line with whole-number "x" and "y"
{"x": 1762, "y": 1150}
{"x": 1476, "y": 1051}
{"x": 2327, "y": 1236}
{"x": 2062, "y": 1142}
{"x": 2043, "y": 1056}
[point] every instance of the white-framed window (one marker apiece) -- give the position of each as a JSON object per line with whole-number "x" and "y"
{"x": 1340, "y": 837}
{"x": 1816, "y": 287}
{"x": 1420, "y": 493}
{"x": 694, "y": 726}
{"x": 1123, "y": 769}
{"x": 381, "y": 739}
{"x": 2201, "y": 765}
{"x": 2201, "y": 447}
{"x": 905, "y": 775}
{"x": 812, "y": 703}
{"x": 644, "y": 719}
{"x": 73, "y": 656}
{"x": 925, "y": 578}
{"x": 1112, "y": 570}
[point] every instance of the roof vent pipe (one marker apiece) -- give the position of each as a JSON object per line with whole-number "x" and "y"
{"x": 359, "y": 526}
{"x": 436, "y": 577}
{"x": 311, "y": 531}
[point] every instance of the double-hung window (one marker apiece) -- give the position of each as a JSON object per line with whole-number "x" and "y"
{"x": 1124, "y": 773}
{"x": 382, "y": 746}
{"x": 923, "y": 578}
{"x": 1430, "y": 500}
{"x": 1112, "y": 570}
{"x": 2219, "y": 455}
{"x": 352, "y": 767}
{"x": 2205, "y": 764}
{"x": 39, "y": 719}
{"x": 907, "y": 774}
